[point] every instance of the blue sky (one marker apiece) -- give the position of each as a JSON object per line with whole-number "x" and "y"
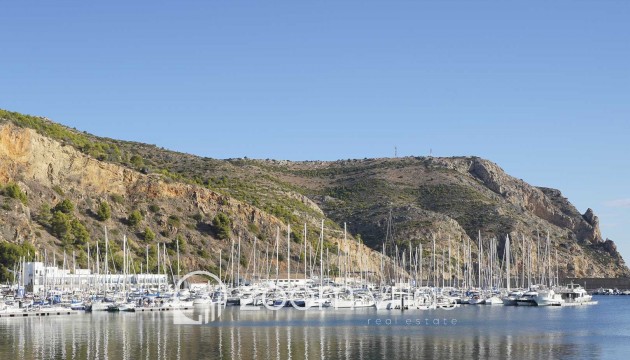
{"x": 541, "y": 88}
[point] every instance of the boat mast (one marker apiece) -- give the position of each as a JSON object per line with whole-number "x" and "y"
{"x": 443, "y": 263}
{"x": 107, "y": 280}
{"x": 157, "y": 271}
{"x": 345, "y": 242}
{"x": 255, "y": 256}
{"x": 415, "y": 273}
{"x": 449, "y": 261}
{"x": 539, "y": 271}
{"x": 529, "y": 265}
{"x": 125, "y": 266}
{"x": 277, "y": 253}
{"x": 458, "y": 267}
{"x": 507, "y": 258}
{"x": 523, "y": 260}
{"x": 420, "y": 264}
{"x": 305, "y": 252}
{"x": 321, "y": 258}
{"x": 479, "y": 259}
{"x": 231, "y": 264}
{"x": 177, "y": 244}
{"x": 549, "y": 258}
{"x": 238, "y": 265}
{"x": 289, "y": 254}
{"x": 98, "y": 268}
{"x": 433, "y": 267}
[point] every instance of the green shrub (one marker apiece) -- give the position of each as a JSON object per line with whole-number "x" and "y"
{"x": 221, "y": 225}
{"x": 65, "y": 206}
{"x": 10, "y": 255}
{"x": 134, "y": 218}
{"x": 13, "y": 190}
{"x": 178, "y": 240}
{"x": 116, "y": 198}
{"x": 197, "y": 217}
{"x": 173, "y": 220}
{"x": 79, "y": 233}
{"x": 60, "y": 224}
{"x": 136, "y": 161}
{"x": 68, "y": 229}
{"x": 44, "y": 215}
{"x": 148, "y": 235}
{"x": 58, "y": 190}
{"x": 104, "y": 211}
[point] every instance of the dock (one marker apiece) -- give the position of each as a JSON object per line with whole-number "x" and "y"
{"x": 37, "y": 313}
{"x": 158, "y": 309}
{"x": 579, "y": 303}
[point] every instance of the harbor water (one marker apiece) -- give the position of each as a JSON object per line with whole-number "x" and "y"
{"x": 501, "y": 332}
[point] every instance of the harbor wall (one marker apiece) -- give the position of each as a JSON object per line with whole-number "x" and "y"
{"x": 596, "y": 283}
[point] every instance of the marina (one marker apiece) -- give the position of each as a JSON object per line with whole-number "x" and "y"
{"x": 306, "y": 180}
{"x": 406, "y": 282}
{"x": 468, "y": 332}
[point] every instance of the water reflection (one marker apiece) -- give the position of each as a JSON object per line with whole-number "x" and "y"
{"x": 291, "y": 334}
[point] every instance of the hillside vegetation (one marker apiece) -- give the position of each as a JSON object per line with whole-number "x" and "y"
{"x": 61, "y": 187}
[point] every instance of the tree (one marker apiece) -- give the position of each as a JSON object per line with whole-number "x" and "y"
{"x": 221, "y": 225}
{"x": 14, "y": 191}
{"x": 44, "y": 216}
{"x": 60, "y": 226}
{"x": 179, "y": 239}
{"x": 68, "y": 229}
{"x": 65, "y": 206}
{"x": 79, "y": 233}
{"x": 136, "y": 160}
{"x": 134, "y": 218}
{"x": 148, "y": 234}
{"x": 10, "y": 255}
{"x": 104, "y": 211}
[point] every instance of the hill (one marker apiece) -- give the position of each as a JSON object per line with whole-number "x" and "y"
{"x": 154, "y": 195}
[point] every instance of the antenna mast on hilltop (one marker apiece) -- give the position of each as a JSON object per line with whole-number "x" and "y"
{"x": 395, "y": 151}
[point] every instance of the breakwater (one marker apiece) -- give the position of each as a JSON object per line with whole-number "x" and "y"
{"x": 591, "y": 284}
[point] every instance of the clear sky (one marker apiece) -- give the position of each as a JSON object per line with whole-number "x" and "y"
{"x": 541, "y": 88}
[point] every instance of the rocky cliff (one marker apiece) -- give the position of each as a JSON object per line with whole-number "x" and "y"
{"x": 458, "y": 198}
{"x": 402, "y": 201}
{"x": 47, "y": 171}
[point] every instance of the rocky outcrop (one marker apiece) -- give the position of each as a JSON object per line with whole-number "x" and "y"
{"x": 460, "y": 197}
{"x": 404, "y": 202}
{"x": 548, "y": 204}
{"x": 43, "y": 167}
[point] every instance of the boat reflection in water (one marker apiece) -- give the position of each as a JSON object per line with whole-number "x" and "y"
{"x": 503, "y": 332}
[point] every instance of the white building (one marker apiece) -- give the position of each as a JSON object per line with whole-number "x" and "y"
{"x": 38, "y": 278}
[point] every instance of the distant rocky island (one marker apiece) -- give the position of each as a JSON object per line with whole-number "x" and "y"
{"x": 61, "y": 187}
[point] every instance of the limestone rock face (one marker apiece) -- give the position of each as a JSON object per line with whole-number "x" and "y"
{"x": 402, "y": 203}
{"x": 547, "y": 204}
{"x": 610, "y": 247}
{"x": 457, "y": 198}
{"x": 43, "y": 167}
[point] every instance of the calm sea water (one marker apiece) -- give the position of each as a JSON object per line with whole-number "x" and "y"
{"x": 600, "y": 331}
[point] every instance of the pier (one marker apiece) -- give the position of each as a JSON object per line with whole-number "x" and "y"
{"x": 22, "y": 314}
{"x": 159, "y": 308}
